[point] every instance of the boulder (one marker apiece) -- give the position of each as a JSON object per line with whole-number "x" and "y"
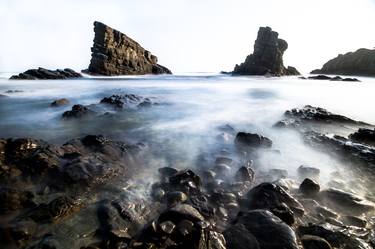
{"x": 314, "y": 242}
{"x": 46, "y": 74}
{"x": 267, "y": 58}
{"x": 252, "y": 141}
{"x": 360, "y": 62}
{"x": 78, "y": 111}
{"x": 366, "y": 136}
{"x": 309, "y": 187}
{"x": 238, "y": 237}
{"x": 114, "y": 53}
{"x": 126, "y": 100}
{"x": 270, "y": 231}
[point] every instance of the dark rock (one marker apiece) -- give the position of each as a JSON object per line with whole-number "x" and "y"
{"x": 126, "y": 100}
{"x": 345, "y": 202}
{"x": 360, "y": 62}
{"x": 78, "y": 111}
{"x": 245, "y": 174}
{"x": 336, "y": 239}
{"x": 13, "y": 91}
{"x": 175, "y": 197}
{"x": 269, "y": 230}
{"x": 114, "y": 53}
{"x": 3, "y": 96}
{"x": 167, "y": 171}
{"x": 181, "y": 212}
{"x": 314, "y": 242}
{"x": 365, "y": 136}
{"x": 267, "y": 57}
{"x": 320, "y": 77}
{"x": 252, "y": 141}
{"x": 59, "y": 102}
{"x": 186, "y": 179}
{"x": 238, "y": 237}
{"x": 268, "y": 196}
{"x": 284, "y": 213}
{"x": 13, "y": 199}
{"x": 354, "y": 221}
{"x": 351, "y": 79}
{"x": 45, "y": 74}
{"x": 336, "y": 78}
{"x": 309, "y": 187}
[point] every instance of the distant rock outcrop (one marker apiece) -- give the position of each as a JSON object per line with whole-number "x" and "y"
{"x": 267, "y": 58}
{"x": 46, "y": 74}
{"x": 360, "y": 62}
{"x": 114, "y": 53}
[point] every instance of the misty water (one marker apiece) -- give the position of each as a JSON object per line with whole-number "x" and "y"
{"x": 193, "y": 109}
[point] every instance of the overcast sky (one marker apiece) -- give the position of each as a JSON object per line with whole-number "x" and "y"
{"x": 186, "y": 35}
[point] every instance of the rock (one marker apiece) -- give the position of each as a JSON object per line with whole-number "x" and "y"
{"x": 3, "y": 96}
{"x": 13, "y": 199}
{"x": 238, "y": 237}
{"x": 252, "y": 141}
{"x": 78, "y": 111}
{"x": 175, "y": 197}
{"x": 268, "y": 196}
{"x": 114, "y": 53}
{"x": 269, "y": 230}
{"x": 167, "y": 171}
{"x": 267, "y": 58}
{"x": 344, "y": 202}
{"x": 363, "y": 135}
{"x": 336, "y": 78}
{"x": 46, "y": 74}
{"x": 314, "y": 242}
{"x": 360, "y": 62}
{"x": 351, "y": 79}
{"x": 320, "y": 77}
{"x": 284, "y": 213}
{"x": 309, "y": 187}
{"x": 308, "y": 172}
{"x": 245, "y": 174}
{"x": 59, "y": 102}
{"x": 126, "y": 100}
{"x": 181, "y": 212}
{"x": 354, "y": 221}
{"x": 186, "y": 179}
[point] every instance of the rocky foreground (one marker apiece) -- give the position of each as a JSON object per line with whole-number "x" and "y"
{"x": 114, "y": 53}
{"x": 46, "y": 74}
{"x": 89, "y": 193}
{"x": 267, "y": 58}
{"x": 360, "y": 62}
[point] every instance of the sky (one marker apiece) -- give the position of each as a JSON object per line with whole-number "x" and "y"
{"x": 186, "y": 35}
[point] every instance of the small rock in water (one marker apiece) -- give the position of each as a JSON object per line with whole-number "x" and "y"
{"x": 78, "y": 111}
{"x": 309, "y": 187}
{"x": 59, "y": 102}
{"x": 251, "y": 141}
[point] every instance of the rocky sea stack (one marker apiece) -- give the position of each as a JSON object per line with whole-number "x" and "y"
{"x": 114, "y": 53}
{"x": 360, "y": 62}
{"x": 267, "y": 58}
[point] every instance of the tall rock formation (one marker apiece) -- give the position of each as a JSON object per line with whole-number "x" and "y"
{"x": 267, "y": 58}
{"x": 114, "y": 53}
{"x": 360, "y": 62}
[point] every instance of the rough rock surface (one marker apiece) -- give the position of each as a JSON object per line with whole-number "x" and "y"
{"x": 114, "y": 53}
{"x": 360, "y": 62}
{"x": 267, "y": 58}
{"x": 46, "y": 74}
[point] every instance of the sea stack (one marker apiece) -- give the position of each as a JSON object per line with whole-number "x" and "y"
{"x": 360, "y": 63}
{"x": 267, "y": 58}
{"x": 114, "y": 53}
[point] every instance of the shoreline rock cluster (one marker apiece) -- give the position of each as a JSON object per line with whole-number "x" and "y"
{"x": 46, "y": 74}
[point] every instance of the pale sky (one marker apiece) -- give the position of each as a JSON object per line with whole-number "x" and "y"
{"x": 186, "y": 35}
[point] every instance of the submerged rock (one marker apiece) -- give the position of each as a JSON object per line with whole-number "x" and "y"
{"x": 252, "y": 141}
{"x": 267, "y": 58}
{"x": 46, "y": 74}
{"x": 360, "y": 62}
{"x": 59, "y": 102}
{"x": 336, "y": 78}
{"x": 114, "y": 53}
{"x": 78, "y": 111}
{"x": 126, "y": 100}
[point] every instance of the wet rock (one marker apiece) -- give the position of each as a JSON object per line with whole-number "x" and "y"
{"x": 252, "y": 141}
{"x": 238, "y": 237}
{"x": 309, "y": 187}
{"x": 175, "y": 197}
{"x": 359, "y": 62}
{"x": 13, "y": 91}
{"x": 314, "y": 242}
{"x": 365, "y": 136}
{"x": 167, "y": 171}
{"x": 267, "y": 58}
{"x": 245, "y": 174}
{"x": 353, "y": 221}
{"x": 126, "y": 100}
{"x": 270, "y": 231}
{"x": 186, "y": 179}
{"x": 308, "y": 172}
{"x": 18, "y": 234}
{"x": 268, "y": 196}
{"x": 94, "y": 141}
{"x": 78, "y": 111}
{"x": 181, "y": 212}
{"x": 59, "y": 102}
{"x": 319, "y": 77}
{"x": 114, "y": 53}
{"x": 46, "y": 74}
{"x": 284, "y": 213}
{"x": 336, "y": 239}
{"x": 345, "y": 202}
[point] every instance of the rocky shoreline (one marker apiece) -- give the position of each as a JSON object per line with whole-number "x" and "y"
{"x": 85, "y": 193}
